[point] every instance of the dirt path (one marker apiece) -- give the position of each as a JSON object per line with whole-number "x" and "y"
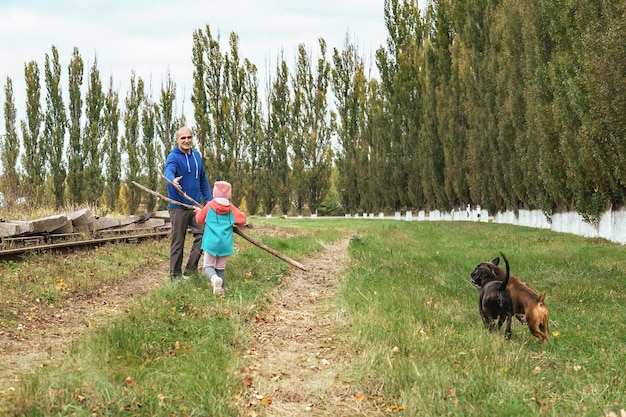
{"x": 295, "y": 366}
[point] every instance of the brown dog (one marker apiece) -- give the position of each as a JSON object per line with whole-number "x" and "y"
{"x": 529, "y": 307}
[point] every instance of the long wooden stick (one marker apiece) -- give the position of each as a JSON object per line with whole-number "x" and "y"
{"x": 181, "y": 192}
{"x": 268, "y": 249}
{"x": 159, "y": 195}
{"x": 235, "y": 229}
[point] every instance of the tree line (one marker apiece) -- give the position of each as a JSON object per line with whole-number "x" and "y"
{"x": 504, "y": 104}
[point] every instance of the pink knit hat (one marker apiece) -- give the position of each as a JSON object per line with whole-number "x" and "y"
{"x": 221, "y": 189}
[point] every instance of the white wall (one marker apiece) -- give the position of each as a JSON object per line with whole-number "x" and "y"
{"x": 612, "y": 224}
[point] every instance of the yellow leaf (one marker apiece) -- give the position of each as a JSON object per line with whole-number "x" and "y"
{"x": 266, "y": 400}
{"x": 395, "y": 408}
{"x": 358, "y": 397}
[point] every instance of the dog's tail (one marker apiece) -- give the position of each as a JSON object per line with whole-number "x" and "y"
{"x": 505, "y": 282}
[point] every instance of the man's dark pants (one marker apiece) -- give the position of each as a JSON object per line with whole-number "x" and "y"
{"x": 181, "y": 219}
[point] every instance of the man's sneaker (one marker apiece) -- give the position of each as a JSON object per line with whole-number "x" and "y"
{"x": 185, "y": 276}
{"x": 216, "y": 283}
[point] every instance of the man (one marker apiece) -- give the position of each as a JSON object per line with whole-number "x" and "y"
{"x": 185, "y": 172}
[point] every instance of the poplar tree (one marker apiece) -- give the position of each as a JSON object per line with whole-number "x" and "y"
{"x": 545, "y": 164}
{"x": 510, "y": 105}
{"x": 208, "y": 99}
{"x": 273, "y": 152}
{"x": 348, "y": 86}
{"x": 603, "y": 131}
{"x": 55, "y": 127}
{"x": 9, "y": 150}
{"x": 302, "y": 85}
{"x": 254, "y": 137}
{"x": 131, "y": 142}
{"x": 111, "y": 150}
{"x": 93, "y": 181}
{"x": 313, "y": 124}
{"x": 235, "y": 144}
{"x": 75, "y": 154}
{"x": 34, "y": 150}
{"x": 431, "y": 154}
{"x": 150, "y": 150}
{"x": 279, "y": 133}
{"x": 376, "y": 125}
{"x": 166, "y": 124}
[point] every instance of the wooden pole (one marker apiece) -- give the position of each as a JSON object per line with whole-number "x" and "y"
{"x": 268, "y": 249}
{"x": 236, "y": 229}
{"x": 180, "y": 191}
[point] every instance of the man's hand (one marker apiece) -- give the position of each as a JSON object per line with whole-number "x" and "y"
{"x": 176, "y": 184}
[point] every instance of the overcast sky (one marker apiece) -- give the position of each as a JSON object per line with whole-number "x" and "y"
{"x": 154, "y": 37}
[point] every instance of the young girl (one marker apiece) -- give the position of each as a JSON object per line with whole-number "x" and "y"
{"x": 218, "y": 216}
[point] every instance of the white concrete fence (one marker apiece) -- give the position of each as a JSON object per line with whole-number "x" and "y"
{"x": 611, "y": 226}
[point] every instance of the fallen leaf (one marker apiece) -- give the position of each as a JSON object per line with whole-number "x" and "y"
{"x": 395, "y": 408}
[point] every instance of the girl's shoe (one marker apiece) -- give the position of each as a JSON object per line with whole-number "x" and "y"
{"x": 216, "y": 283}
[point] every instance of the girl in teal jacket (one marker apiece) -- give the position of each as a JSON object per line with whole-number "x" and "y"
{"x": 219, "y": 216}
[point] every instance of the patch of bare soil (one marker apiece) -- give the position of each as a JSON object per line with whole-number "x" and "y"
{"x": 295, "y": 367}
{"x": 46, "y": 331}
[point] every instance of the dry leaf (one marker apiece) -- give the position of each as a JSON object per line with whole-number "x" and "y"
{"x": 177, "y": 345}
{"x": 266, "y": 400}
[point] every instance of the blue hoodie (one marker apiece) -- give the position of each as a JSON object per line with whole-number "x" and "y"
{"x": 194, "y": 181}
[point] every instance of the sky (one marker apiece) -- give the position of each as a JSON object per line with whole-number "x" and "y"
{"x": 153, "y": 38}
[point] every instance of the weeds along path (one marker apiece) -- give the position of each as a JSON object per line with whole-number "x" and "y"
{"x": 296, "y": 366}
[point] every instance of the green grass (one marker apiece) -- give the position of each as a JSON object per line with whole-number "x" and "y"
{"x": 414, "y": 323}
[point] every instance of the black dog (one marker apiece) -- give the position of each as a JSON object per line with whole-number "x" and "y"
{"x": 494, "y": 299}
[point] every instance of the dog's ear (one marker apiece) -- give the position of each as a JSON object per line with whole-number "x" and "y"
{"x": 495, "y": 260}
{"x": 542, "y": 297}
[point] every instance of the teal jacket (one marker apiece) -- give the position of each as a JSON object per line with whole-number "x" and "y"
{"x": 219, "y": 216}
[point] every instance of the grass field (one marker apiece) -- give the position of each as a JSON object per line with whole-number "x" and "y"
{"x": 414, "y": 322}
